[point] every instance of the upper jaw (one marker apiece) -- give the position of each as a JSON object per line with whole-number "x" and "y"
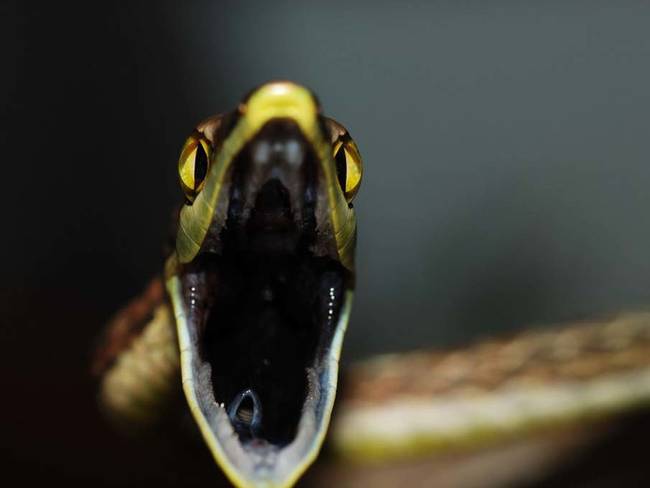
{"x": 278, "y": 158}
{"x": 270, "y": 103}
{"x": 272, "y": 185}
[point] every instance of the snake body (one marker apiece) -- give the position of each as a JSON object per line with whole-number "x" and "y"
{"x": 249, "y": 317}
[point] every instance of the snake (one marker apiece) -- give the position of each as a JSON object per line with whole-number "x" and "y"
{"x": 259, "y": 285}
{"x": 249, "y": 315}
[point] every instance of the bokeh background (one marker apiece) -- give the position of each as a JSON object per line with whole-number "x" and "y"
{"x": 506, "y": 147}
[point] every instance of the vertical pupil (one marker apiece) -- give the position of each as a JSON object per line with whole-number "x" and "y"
{"x": 341, "y": 167}
{"x": 200, "y": 165}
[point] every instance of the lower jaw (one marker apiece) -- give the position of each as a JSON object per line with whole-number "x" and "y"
{"x": 267, "y": 330}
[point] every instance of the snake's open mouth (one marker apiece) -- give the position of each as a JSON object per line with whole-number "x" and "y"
{"x": 265, "y": 308}
{"x": 263, "y": 338}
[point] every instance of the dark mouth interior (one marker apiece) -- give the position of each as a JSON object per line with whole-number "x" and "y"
{"x": 270, "y": 307}
{"x": 262, "y": 336}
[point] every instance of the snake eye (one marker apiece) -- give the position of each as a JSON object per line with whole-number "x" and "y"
{"x": 193, "y": 164}
{"x": 349, "y": 167}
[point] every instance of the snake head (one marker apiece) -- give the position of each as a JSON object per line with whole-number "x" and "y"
{"x": 261, "y": 279}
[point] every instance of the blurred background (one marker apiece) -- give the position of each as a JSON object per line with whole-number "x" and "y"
{"x": 506, "y": 147}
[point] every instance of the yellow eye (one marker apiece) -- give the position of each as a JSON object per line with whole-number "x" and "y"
{"x": 349, "y": 167}
{"x": 193, "y": 164}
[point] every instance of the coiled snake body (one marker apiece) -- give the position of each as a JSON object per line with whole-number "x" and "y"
{"x": 250, "y": 315}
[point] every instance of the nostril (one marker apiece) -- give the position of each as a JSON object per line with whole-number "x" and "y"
{"x": 245, "y": 413}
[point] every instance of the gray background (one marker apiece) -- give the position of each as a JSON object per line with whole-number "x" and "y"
{"x": 506, "y": 147}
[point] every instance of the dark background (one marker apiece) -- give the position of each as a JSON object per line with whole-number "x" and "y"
{"x": 506, "y": 147}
